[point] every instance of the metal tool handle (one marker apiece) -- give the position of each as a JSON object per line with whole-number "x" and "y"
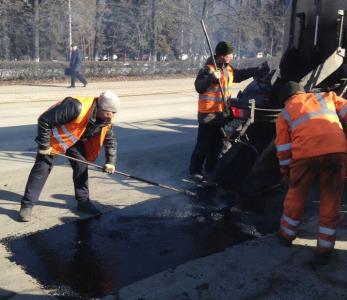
{"x": 341, "y": 14}
{"x": 215, "y": 65}
{"x": 186, "y": 192}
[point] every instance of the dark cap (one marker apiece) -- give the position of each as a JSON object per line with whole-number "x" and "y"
{"x": 224, "y": 48}
{"x": 288, "y": 89}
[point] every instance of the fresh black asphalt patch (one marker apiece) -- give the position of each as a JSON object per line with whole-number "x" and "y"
{"x": 96, "y": 256}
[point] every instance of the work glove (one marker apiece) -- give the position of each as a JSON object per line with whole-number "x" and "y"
{"x": 216, "y": 75}
{"x": 110, "y": 169}
{"x": 46, "y": 151}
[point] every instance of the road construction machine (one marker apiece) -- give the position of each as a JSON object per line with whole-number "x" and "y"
{"x": 314, "y": 54}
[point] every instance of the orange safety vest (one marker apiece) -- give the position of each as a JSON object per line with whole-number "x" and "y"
{"x": 65, "y": 136}
{"x": 310, "y": 126}
{"x": 211, "y": 100}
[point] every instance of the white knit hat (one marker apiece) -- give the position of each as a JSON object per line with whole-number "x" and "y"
{"x": 109, "y": 101}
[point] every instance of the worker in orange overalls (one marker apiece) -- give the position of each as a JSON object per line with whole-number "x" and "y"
{"x": 311, "y": 145}
{"x": 77, "y": 126}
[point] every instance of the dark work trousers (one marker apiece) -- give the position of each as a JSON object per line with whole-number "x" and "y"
{"x": 42, "y": 168}
{"x": 208, "y": 147}
{"x": 78, "y": 75}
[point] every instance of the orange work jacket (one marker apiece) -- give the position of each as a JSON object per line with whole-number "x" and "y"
{"x": 65, "y": 136}
{"x": 211, "y": 100}
{"x": 309, "y": 126}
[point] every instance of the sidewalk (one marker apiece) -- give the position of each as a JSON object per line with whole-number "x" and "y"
{"x": 57, "y": 91}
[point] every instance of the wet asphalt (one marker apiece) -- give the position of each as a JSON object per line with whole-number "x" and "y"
{"x": 96, "y": 256}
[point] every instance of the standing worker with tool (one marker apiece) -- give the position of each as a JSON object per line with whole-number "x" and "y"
{"x": 213, "y": 83}
{"x": 76, "y": 126}
{"x": 311, "y": 145}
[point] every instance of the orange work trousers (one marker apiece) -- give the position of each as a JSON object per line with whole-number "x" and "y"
{"x": 329, "y": 170}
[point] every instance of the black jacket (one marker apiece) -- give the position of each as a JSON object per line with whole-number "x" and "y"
{"x": 205, "y": 78}
{"x": 65, "y": 112}
{"x": 75, "y": 61}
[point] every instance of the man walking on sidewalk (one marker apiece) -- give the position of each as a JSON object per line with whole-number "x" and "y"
{"x": 75, "y": 67}
{"x": 311, "y": 146}
{"x": 78, "y": 127}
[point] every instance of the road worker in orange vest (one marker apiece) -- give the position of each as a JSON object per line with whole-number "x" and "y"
{"x": 78, "y": 127}
{"x": 211, "y": 107}
{"x": 311, "y": 146}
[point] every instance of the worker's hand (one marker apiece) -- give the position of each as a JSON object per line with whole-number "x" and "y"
{"x": 216, "y": 75}
{"x": 110, "y": 169}
{"x": 46, "y": 151}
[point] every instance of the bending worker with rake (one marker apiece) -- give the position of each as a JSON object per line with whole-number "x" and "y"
{"x": 76, "y": 126}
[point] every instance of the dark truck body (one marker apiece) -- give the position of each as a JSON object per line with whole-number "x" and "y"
{"x": 311, "y": 43}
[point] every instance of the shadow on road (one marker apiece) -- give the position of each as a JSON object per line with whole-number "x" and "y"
{"x": 8, "y": 295}
{"x": 149, "y": 154}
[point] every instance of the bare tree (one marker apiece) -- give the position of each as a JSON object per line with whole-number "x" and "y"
{"x": 38, "y": 30}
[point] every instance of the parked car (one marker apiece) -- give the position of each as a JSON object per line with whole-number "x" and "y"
{"x": 260, "y": 55}
{"x": 183, "y": 56}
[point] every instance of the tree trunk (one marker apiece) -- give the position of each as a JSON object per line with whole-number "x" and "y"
{"x": 204, "y": 9}
{"x": 154, "y": 31}
{"x": 190, "y": 46}
{"x": 99, "y": 7}
{"x": 36, "y": 31}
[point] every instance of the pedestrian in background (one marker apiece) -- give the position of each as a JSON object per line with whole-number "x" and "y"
{"x": 77, "y": 126}
{"x": 311, "y": 146}
{"x": 75, "y": 67}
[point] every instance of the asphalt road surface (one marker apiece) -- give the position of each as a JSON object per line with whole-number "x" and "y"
{"x": 149, "y": 242}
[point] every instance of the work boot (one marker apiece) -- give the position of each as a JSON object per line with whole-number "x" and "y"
{"x": 25, "y": 213}
{"x": 88, "y": 207}
{"x": 322, "y": 258}
{"x": 283, "y": 241}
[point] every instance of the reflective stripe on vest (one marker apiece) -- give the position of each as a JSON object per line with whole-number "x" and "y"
{"x": 65, "y": 136}
{"x": 212, "y": 100}
{"x": 324, "y": 111}
{"x": 59, "y": 139}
